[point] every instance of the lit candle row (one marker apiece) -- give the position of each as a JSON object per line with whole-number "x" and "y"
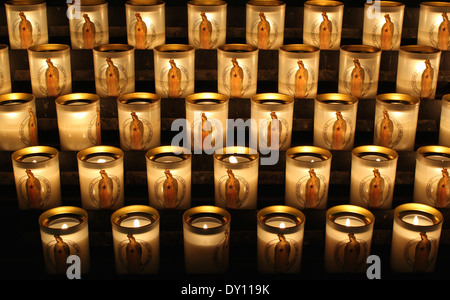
{"x": 280, "y": 234}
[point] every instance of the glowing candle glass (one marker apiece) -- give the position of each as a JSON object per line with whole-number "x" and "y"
{"x": 237, "y": 70}
{"x": 298, "y": 70}
{"x": 206, "y": 121}
{"x": 207, "y": 23}
{"x": 101, "y": 176}
{"x": 417, "y": 70}
{"x": 50, "y": 70}
{"x": 174, "y": 70}
{"x": 383, "y": 24}
{"x": 265, "y": 23}
{"x": 64, "y": 232}
{"x": 444, "y": 127}
{"x": 206, "y": 233}
{"x": 27, "y": 23}
{"x": 307, "y": 177}
{"x": 431, "y": 180}
{"x": 433, "y": 27}
{"x": 335, "y": 121}
{"x": 79, "y": 122}
{"x": 169, "y": 177}
{"x": 322, "y": 24}
{"x": 395, "y": 123}
{"x": 146, "y": 23}
{"x": 415, "y": 238}
{"x": 359, "y": 67}
{"x": 18, "y": 128}
{"x": 88, "y": 23}
{"x": 280, "y": 231}
{"x": 139, "y": 117}
{"x": 5, "y": 72}
{"x": 135, "y": 231}
{"x": 273, "y": 116}
{"x": 114, "y": 70}
{"x": 236, "y": 177}
{"x": 37, "y": 179}
{"x": 373, "y": 176}
{"x": 348, "y": 228}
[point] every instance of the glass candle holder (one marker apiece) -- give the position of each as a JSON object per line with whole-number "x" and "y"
{"x": 114, "y": 70}
{"x": 36, "y": 176}
{"x": 146, "y": 23}
{"x": 415, "y": 238}
{"x": 79, "y": 122}
{"x": 307, "y": 177}
{"x": 135, "y": 231}
{"x": 64, "y": 232}
{"x": 431, "y": 185}
{"x": 18, "y": 128}
{"x": 101, "y": 175}
{"x": 348, "y": 228}
{"x": 322, "y": 23}
{"x": 444, "y": 126}
{"x": 359, "y": 67}
{"x": 207, "y": 23}
{"x": 237, "y": 70}
{"x": 372, "y": 179}
{"x": 169, "y": 177}
{"x": 88, "y": 23}
{"x": 273, "y": 116}
{"x": 27, "y": 23}
{"x": 383, "y": 24}
{"x": 417, "y": 70}
{"x": 206, "y": 234}
{"x": 433, "y": 27}
{"x": 264, "y": 23}
{"x": 206, "y": 118}
{"x": 298, "y": 70}
{"x": 395, "y": 123}
{"x": 280, "y": 231}
{"x": 236, "y": 177}
{"x": 174, "y": 70}
{"x": 335, "y": 121}
{"x": 50, "y": 70}
{"x": 5, "y": 71}
{"x": 139, "y": 117}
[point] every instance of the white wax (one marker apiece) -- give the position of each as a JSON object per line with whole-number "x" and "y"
{"x": 217, "y": 130}
{"x": 98, "y": 15}
{"x": 311, "y": 26}
{"x": 217, "y": 15}
{"x": 154, "y": 19}
{"x": 38, "y": 20}
{"x": 374, "y": 19}
{"x": 14, "y": 129}
{"x": 275, "y": 17}
{"x": 248, "y": 61}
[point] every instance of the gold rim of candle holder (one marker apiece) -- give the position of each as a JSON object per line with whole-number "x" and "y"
{"x": 153, "y": 154}
{"x": 198, "y": 98}
{"x": 361, "y": 49}
{"x": 420, "y": 209}
{"x": 89, "y": 152}
{"x": 167, "y": 48}
{"x": 265, "y": 3}
{"x": 130, "y": 98}
{"x": 425, "y": 151}
{"x": 280, "y": 99}
{"x": 45, "y": 151}
{"x": 88, "y": 2}
{"x": 4, "y": 47}
{"x": 299, "y": 48}
{"x": 436, "y": 4}
{"x": 25, "y": 3}
{"x": 205, "y": 211}
{"x": 398, "y": 98}
{"x": 298, "y": 151}
{"x": 21, "y": 98}
{"x": 289, "y": 212}
{"x": 135, "y": 211}
{"x": 350, "y": 210}
{"x": 207, "y": 3}
{"x": 145, "y": 2}
{"x": 336, "y": 98}
{"x": 388, "y": 153}
{"x": 322, "y": 3}
{"x": 49, "y": 48}
{"x": 446, "y": 98}
{"x": 105, "y": 48}
{"x": 69, "y": 211}
{"x": 385, "y": 3}
{"x": 220, "y": 154}
{"x": 86, "y": 98}
{"x": 236, "y": 47}
{"x": 419, "y": 49}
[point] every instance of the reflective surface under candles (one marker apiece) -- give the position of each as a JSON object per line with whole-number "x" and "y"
{"x": 79, "y": 122}
{"x": 37, "y": 177}
{"x": 431, "y": 180}
{"x": 433, "y": 27}
{"x": 348, "y": 238}
{"x": 18, "y": 127}
{"x": 64, "y": 232}
{"x": 146, "y": 23}
{"x": 206, "y": 233}
{"x": 101, "y": 175}
{"x": 135, "y": 231}
{"x": 415, "y": 238}
{"x": 88, "y": 23}
{"x": 236, "y": 177}
{"x": 169, "y": 177}
{"x": 5, "y": 72}
{"x": 444, "y": 126}
{"x": 280, "y": 231}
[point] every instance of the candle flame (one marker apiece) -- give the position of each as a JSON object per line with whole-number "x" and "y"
{"x": 136, "y": 223}
{"x": 205, "y": 226}
{"x": 416, "y": 220}
{"x": 34, "y": 161}
{"x": 282, "y": 225}
{"x": 233, "y": 160}
{"x": 101, "y": 161}
{"x": 312, "y": 160}
{"x": 64, "y": 226}
{"x": 347, "y": 222}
